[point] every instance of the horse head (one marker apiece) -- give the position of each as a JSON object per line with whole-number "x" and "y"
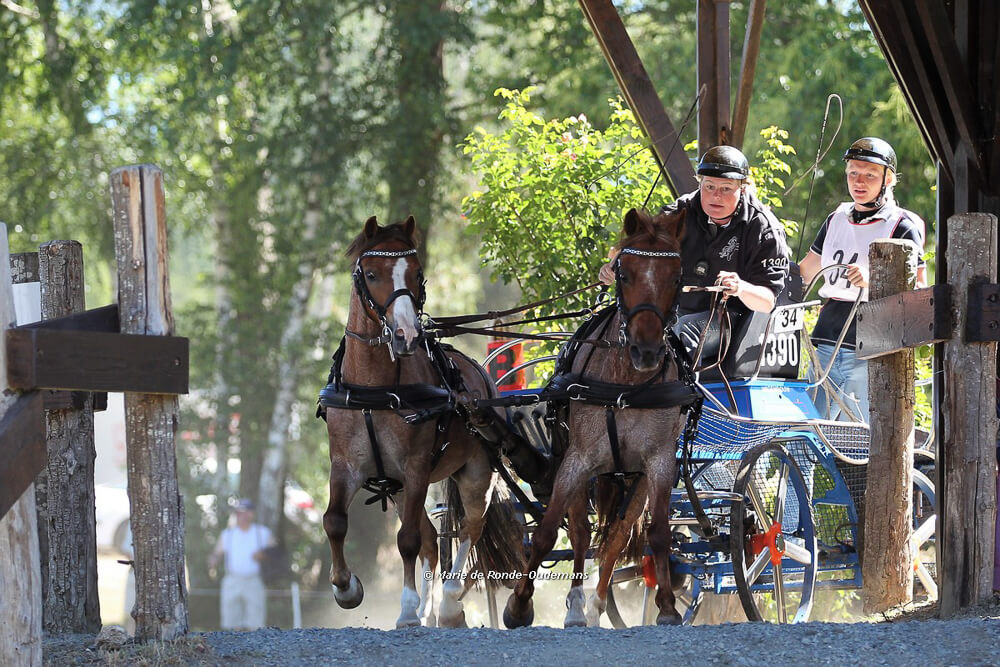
{"x": 647, "y": 277}
{"x": 389, "y": 282}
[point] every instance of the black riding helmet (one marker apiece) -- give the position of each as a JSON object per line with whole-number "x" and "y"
{"x": 877, "y": 151}
{"x": 874, "y": 150}
{"x": 724, "y": 162}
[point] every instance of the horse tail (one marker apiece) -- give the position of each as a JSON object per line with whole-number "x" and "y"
{"x": 608, "y": 498}
{"x": 500, "y": 548}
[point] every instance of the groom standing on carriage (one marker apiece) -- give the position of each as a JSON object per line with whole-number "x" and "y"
{"x": 731, "y": 239}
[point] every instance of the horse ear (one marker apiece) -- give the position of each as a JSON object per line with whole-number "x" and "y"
{"x": 631, "y": 223}
{"x": 371, "y": 227}
{"x": 410, "y": 226}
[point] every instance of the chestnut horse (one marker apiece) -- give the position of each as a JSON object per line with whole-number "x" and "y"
{"x": 618, "y": 428}
{"x": 389, "y": 418}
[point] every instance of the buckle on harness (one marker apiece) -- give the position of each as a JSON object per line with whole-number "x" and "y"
{"x": 393, "y": 405}
{"x": 578, "y": 397}
{"x": 621, "y": 403}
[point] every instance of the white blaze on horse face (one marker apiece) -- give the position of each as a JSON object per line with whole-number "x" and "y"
{"x": 402, "y": 308}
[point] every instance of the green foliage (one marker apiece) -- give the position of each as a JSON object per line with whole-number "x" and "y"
{"x": 768, "y": 171}
{"x": 554, "y": 192}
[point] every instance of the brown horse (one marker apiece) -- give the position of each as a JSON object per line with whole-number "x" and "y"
{"x": 389, "y": 418}
{"x": 607, "y": 437}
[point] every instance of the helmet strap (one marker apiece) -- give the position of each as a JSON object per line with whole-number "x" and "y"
{"x": 880, "y": 200}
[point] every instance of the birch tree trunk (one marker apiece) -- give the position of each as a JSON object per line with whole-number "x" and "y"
{"x": 272, "y": 474}
{"x": 271, "y": 494}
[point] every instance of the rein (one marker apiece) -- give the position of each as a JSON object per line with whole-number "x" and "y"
{"x": 443, "y": 322}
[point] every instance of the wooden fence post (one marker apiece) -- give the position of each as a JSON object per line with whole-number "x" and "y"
{"x": 151, "y": 420}
{"x": 887, "y": 570}
{"x": 64, "y": 491}
{"x": 967, "y": 503}
{"x": 20, "y": 580}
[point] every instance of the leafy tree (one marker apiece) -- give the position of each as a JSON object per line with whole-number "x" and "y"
{"x": 554, "y": 193}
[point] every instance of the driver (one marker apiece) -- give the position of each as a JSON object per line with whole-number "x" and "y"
{"x": 731, "y": 239}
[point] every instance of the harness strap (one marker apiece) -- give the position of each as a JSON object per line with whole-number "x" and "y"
{"x": 382, "y": 487}
{"x": 624, "y": 481}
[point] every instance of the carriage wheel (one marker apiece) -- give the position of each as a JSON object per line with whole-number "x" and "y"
{"x": 922, "y": 539}
{"x": 773, "y": 552}
{"x": 631, "y": 601}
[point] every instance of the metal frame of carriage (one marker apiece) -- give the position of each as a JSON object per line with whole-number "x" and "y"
{"x": 761, "y": 449}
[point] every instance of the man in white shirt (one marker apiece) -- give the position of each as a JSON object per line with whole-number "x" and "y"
{"x": 243, "y": 599}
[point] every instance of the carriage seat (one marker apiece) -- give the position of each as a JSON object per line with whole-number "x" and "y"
{"x": 781, "y": 353}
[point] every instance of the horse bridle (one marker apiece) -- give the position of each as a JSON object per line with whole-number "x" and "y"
{"x": 666, "y": 321}
{"x": 381, "y": 309}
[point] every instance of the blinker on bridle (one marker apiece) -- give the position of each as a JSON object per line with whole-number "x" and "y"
{"x": 627, "y": 316}
{"x": 381, "y": 309}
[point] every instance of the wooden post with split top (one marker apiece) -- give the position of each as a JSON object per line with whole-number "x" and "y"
{"x": 887, "y": 565}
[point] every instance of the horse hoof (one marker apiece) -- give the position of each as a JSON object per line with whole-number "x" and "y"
{"x": 669, "y": 619}
{"x": 595, "y": 608}
{"x": 407, "y": 622}
{"x": 455, "y": 622}
{"x": 575, "y": 603}
{"x": 514, "y": 620}
{"x": 352, "y": 596}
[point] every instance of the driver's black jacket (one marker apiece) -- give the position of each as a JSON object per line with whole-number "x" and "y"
{"x": 751, "y": 245}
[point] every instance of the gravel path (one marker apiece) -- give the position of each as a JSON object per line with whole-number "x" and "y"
{"x": 973, "y": 639}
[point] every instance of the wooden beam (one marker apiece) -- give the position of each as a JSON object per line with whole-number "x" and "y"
{"x": 713, "y": 73}
{"x": 157, "y": 508}
{"x": 93, "y": 361}
{"x": 989, "y": 89}
{"x": 24, "y": 267}
{"x": 903, "y": 321}
{"x": 20, "y": 580}
{"x": 748, "y": 70}
{"x": 951, "y": 67}
{"x": 887, "y": 563}
{"x": 22, "y": 447}
{"x": 967, "y": 453}
{"x": 639, "y": 93}
{"x": 103, "y": 319}
{"x": 890, "y": 26}
{"x": 64, "y": 491}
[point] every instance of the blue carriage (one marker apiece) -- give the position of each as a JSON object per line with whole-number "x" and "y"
{"x": 771, "y": 505}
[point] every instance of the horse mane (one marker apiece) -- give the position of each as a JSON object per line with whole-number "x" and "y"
{"x": 661, "y": 227}
{"x": 395, "y": 231}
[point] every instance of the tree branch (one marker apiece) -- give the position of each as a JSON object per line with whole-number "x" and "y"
{"x": 18, "y": 9}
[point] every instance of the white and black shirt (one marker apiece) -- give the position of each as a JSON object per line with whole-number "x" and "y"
{"x": 844, "y": 239}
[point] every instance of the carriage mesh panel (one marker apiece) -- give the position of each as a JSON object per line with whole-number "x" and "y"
{"x": 720, "y": 437}
{"x": 851, "y": 439}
